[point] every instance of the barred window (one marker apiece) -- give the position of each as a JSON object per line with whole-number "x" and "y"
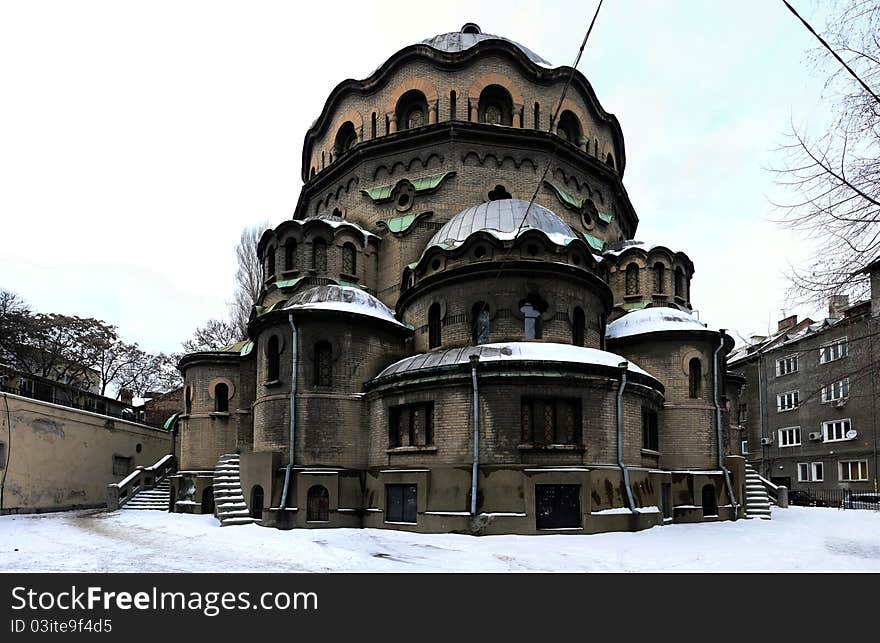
{"x": 695, "y": 378}
{"x": 270, "y": 263}
{"x": 323, "y": 364}
{"x": 349, "y": 259}
{"x": 679, "y": 282}
{"x": 659, "y": 278}
{"x": 411, "y": 425}
{"x": 546, "y": 421}
{"x": 632, "y": 279}
{"x": 290, "y": 254}
{"x": 319, "y": 255}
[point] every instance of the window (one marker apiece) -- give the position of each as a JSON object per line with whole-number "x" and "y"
{"x": 480, "y": 323}
{"x": 221, "y": 398}
{"x": 632, "y": 279}
{"x": 323, "y": 364}
{"x": 609, "y": 161}
{"x": 790, "y": 437}
{"x": 452, "y": 106}
{"x": 500, "y": 192}
{"x": 2, "y": 455}
{"x": 401, "y": 503}
{"x": 836, "y": 391}
{"x": 537, "y": 116}
{"x": 346, "y": 138}
{"x": 853, "y": 470}
{"x": 412, "y": 110}
{"x": 650, "y": 437}
{"x": 411, "y": 425}
{"x": 833, "y": 351}
{"x": 349, "y": 259}
{"x": 710, "y": 504}
{"x": 787, "y": 401}
{"x": 803, "y": 472}
{"x": 318, "y": 504}
{"x": 786, "y": 365}
{"x": 835, "y": 431}
{"x": 817, "y": 471}
{"x": 547, "y": 421}
{"x": 495, "y": 106}
{"x": 744, "y": 447}
{"x": 319, "y": 255}
{"x": 434, "y": 338}
{"x": 273, "y": 360}
{"x": 270, "y": 263}
{"x": 256, "y": 510}
{"x": 679, "y": 283}
{"x": 373, "y": 126}
{"x": 188, "y": 400}
{"x": 569, "y": 128}
{"x": 290, "y": 254}
{"x": 742, "y": 413}
{"x": 557, "y": 506}
{"x": 810, "y": 472}
{"x": 659, "y": 277}
{"x": 122, "y": 466}
{"x": 578, "y": 326}
{"x": 695, "y": 378}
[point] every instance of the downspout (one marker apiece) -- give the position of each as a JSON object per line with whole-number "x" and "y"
{"x": 759, "y": 367}
{"x": 293, "y": 361}
{"x": 476, "y": 411}
{"x": 719, "y": 436}
{"x": 629, "y": 496}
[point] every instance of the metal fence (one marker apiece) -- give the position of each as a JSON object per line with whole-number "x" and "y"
{"x": 93, "y": 404}
{"x": 838, "y": 498}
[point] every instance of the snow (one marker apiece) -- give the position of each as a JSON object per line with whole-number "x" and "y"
{"x": 796, "y": 539}
{"x": 624, "y": 510}
{"x": 652, "y": 320}
{"x": 344, "y": 299}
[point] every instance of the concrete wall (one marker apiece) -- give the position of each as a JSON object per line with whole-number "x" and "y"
{"x": 62, "y": 458}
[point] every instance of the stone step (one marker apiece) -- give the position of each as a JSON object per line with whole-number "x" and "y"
{"x": 236, "y": 521}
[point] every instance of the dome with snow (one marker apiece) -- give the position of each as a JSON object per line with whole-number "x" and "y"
{"x": 653, "y": 320}
{"x": 344, "y": 299}
{"x": 503, "y": 219}
{"x": 469, "y": 35}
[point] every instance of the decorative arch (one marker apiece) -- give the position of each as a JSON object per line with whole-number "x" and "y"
{"x": 346, "y": 138}
{"x": 495, "y": 106}
{"x": 421, "y": 85}
{"x": 569, "y": 128}
{"x": 485, "y": 80}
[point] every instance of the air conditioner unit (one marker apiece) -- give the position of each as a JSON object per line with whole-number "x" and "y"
{"x": 816, "y": 435}
{"x": 767, "y": 440}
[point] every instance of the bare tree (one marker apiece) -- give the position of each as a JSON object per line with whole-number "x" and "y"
{"x": 117, "y": 363}
{"x": 835, "y": 174}
{"x": 248, "y": 277}
{"x": 214, "y": 335}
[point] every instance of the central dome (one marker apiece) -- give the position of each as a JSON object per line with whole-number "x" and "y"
{"x": 503, "y": 219}
{"x": 469, "y": 36}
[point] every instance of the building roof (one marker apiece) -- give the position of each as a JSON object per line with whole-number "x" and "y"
{"x": 511, "y": 351}
{"x": 653, "y": 320}
{"x": 503, "y": 219}
{"x": 344, "y": 299}
{"x": 469, "y": 35}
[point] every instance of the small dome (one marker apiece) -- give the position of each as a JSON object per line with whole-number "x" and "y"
{"x": 342, "y": 298}
{"x": 503, "y": 219}
{"x": 469, "y": 36}
{"x": 653, "y": 320}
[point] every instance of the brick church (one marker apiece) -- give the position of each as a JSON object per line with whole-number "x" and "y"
{"x": 434, "y": 352}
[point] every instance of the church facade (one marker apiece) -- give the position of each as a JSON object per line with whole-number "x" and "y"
{"x": 451, "y": 338}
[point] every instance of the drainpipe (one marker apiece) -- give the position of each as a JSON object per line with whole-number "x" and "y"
{"x": 629, "y": 496}
{"x": 474, "y": 361}
{"x": 293, "y": 351}
{"x": 721, "y": 466}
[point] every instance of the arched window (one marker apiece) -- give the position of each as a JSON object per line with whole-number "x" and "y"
{"x": 434, "y": 338}
{"x": 710, "y": 505}
{"x": 595, "y": 147}
{"x": 373, "y": 126}
{"x": 679, "y": 282}
{"x": 569, "y": 127}
{"x": 480, "y": 323}
{"x": 349, "y": 259}
{"x": 318, "y": 504}
{"x": 532, "y": 308}
{"x": 221, "y": 398}
{"x": 609, "y": 161}
{"x": 496, "y": 106}
{"x": 270, "y": 263}
{"x": 578, "y": 326}
{"x": 273, "y": 359}
{"x": 412, "y": 110}
{"x": 257, "y": 502}
{"x": 695, "y": 378}
{"x": 452, "y": 105}
{"x": 319, "y": 255}
{"x": 537, "y": 116}
{"x": 499, "y": 192}
{"x": 290, "y": 254}
{"x": 188, "y": 400}
{"x": 659, "y": 278}
{"x": 346, "y": 138}
{"x": 323, "y": 364}
{"x": 632, "y": 279}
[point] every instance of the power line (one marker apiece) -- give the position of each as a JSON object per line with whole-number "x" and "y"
{"x": 833, "y": 53}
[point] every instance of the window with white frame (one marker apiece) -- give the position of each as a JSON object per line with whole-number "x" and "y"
{"x": 835, "y": 431}
{"x": 803, "y": 472}
{"x": 787, "y": 401}
{"x": 836, "y": 391}
{"x": 744, "y": 447}
{"x": 817, "y": 472}
{"x": 835, "y": 350}
{"x": 786, "y": 365}
{"x": 853, "y": 470}
{"x": 790, "y": 436}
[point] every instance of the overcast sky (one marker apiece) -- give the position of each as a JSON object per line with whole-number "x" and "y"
{"x": 137, "y": 139}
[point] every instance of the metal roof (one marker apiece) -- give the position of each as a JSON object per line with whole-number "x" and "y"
{"x": 456, "y": 41}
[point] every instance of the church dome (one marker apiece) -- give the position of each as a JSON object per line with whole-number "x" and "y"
{"x": 503, "y": 219}
{"x": 653, "y": 320}
{"x": 469, "y": 35}
{"x": 344, "y": 299}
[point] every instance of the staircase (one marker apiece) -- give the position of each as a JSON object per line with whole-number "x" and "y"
{"x": 757, "y": 499}
{"x": 228, "y": 497}
{"x": 156, "y": 499}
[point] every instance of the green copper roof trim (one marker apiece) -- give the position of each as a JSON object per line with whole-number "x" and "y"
{"x": 636, "y": 305}
{"x": 289, "y": 283}
{"x": 607, "y": 218}
{"x": 595, "y": 242}
{"x": 400, "y": 224}
{"x": 423, "y": 184}
{"x": 246, "y": 349}
{"x": 170, "y": 421}
{"x": 567, "y": 200}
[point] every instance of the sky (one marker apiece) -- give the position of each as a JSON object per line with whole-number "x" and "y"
{"x": 138, "y": 139}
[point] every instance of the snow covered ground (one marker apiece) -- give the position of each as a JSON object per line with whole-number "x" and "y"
{"x": 797, "y": 539}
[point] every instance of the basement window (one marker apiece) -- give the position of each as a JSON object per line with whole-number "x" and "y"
{"x": 2, "y": 455}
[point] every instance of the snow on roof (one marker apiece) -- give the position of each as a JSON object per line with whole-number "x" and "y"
{"x": 336, "y": 221}
{"x": 652, "y": 320}
{"x": 620, "y": 247}
{"x": 512, "y": 351}
{"x": 342, "y": 298}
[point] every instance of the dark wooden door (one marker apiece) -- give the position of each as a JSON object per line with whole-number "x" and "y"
{"x": 557, "y": 506}
{"x": 401, "y": 503}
